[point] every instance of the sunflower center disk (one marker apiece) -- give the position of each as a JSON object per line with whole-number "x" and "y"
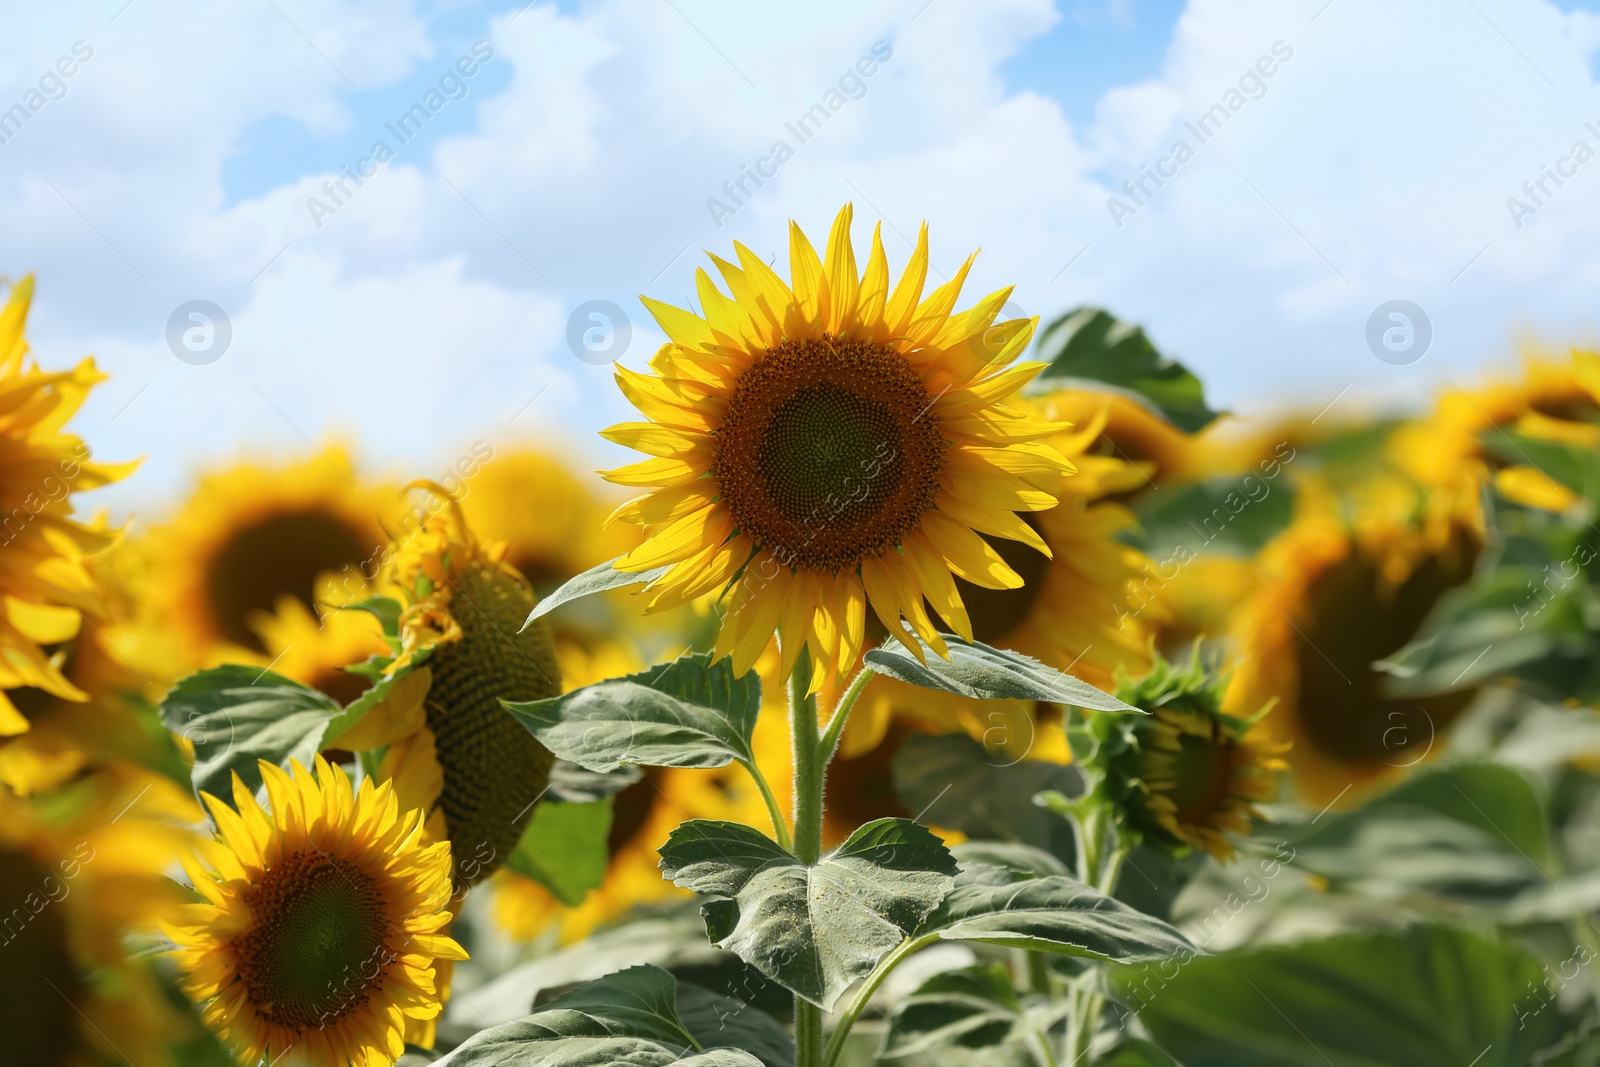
{"x": 317, "y": 946}
{"x": 1203, "y": 772}
{"x": 829, "y": 452}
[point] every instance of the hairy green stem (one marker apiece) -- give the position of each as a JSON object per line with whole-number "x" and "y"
{"x": 1100, "y": 857}
{"x": 780, "y": 826}
{"x": 841, "y": 715}
{"x": 858, "y": 1003}
{"x": 809, "y": 772}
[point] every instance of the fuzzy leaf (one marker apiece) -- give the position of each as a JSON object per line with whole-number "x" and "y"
{"x": 981, "y": 672}
{"x": 813, "y": 929}
{"x": 236, "y": 715}
{"x": 688, "y": 713}
{"x": 598, "y": 579}
{"x": 1055, "y": 914}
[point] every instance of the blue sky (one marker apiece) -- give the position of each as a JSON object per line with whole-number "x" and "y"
{"x": 186, "y": 158}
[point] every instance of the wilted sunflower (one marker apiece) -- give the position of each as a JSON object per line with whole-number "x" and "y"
{"x": 1186, "y": 775}
{"x": 83, "y": 870}
{"x": 827, "y": 444}
{"x": 44, "y": 578}
{"x": 251, "y": 535}
{"x": 321, "y": 928}
{"x": 1081, "y": 607}
{"x": 1349, "y": 583}
{"x": 452, "y": 749}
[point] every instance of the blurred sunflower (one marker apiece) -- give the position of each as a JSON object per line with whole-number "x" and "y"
{"x": 82, "y": 870}
{"x": 320, "y": 931}
{"x": 251, "y": 535}
{"x": 44, "y": 577}
{"x": 1348, "y": 584}
{"x": 452, "y": 750}
{"x": 1445, "y": 451}
{"x": 1188, "y": 774}
{"x": 1077, "y": 608}
{"x": 1135, "y": 436}
{"x": 829, "y": 444}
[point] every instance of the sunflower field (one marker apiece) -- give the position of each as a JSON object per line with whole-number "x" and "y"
{"x": 933, "y": 688}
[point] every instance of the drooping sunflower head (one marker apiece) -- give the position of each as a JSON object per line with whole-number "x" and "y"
{"x": 452, "y": 748}
{"x": 320, "y": 927}
{"x": 251, "y": 535}
{"x": 829, "y": 444}
{"x": 1348, "y": 584}
{"x": 1186, "y": 775}
{"x": 44, "y": 578}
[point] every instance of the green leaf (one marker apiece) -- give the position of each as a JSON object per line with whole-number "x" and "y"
{"x": 688, "y": 713}
{"x": 382, "y": 685}
{"x": 598, "y": 579}
{"x": 1239, "y": 513}
{"x": 1054, "y": 914}
{"x": 1430, "y": 996}
{"x": 235, "y": 715}
{"x": 717, "y": 1020}
{"x": 579, "y": 785}
{"x": 564, "y": 848}
{"x": 1472, "y": 832}
{"x": 1090, "y": 347}
{"x": 971, "y": 1018}
{"x": 1024, "y": 861}
{"x": 385, "y": 609}
{"x": 976, "y": 670}
{"x": 628, "y": 1019}
{"x": 956, "y": 782}
{"x": 813, "y": 929}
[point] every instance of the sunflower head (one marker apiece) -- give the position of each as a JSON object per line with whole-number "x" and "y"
{"x": 454, "y": 749}
{"x": 45, "y": 579}
{"x": 829, "y": 444}
{"x": 320, "y": 927}
{"x": 1188, "y": 774}
{"x": 1348, "y": 584}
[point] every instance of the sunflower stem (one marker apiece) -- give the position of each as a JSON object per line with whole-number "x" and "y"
{"x": 841, "y": 715}
{"x": 810, "y": 770}
{"x": 780, "y": 825}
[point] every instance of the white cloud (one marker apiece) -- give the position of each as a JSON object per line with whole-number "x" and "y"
{"x": 1376, "y": 164}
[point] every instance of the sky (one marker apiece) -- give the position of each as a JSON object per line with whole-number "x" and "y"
{"x": 1254, "y": 181}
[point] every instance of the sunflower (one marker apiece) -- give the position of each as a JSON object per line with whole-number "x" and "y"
{"x": 1574, "y": 422}
{"x": 320, "y": 931}
{"x": 450, "y": 747}
{"x": 44, "y": 577}
{"x": 1133, "y": 434}
{"x": 829, "y": 444}
{"x": 1186, "y": 775}
{"x": 1346, "y": 585}
{"x": 251, "y": 535}
{"x": 1080, "y": 608}
{"x": 82, "y": 870}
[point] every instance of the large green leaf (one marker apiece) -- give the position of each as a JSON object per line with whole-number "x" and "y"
{"x": 814, "y": 929}
{"x": 1426, "y": 997}
{"x": 1473, "y": 832}
{"x": 715, "y": 1019}
{"x": 1238, "y": 513}
{"x": 1090, "y": 347}
{"x": 629, "y": 1018}
{"x": 687, "y": 713}
{"x": 236, "y": 715}
{"x": 564, "y": 848}
{"x": 972, "y": 1017}
{"x": 1052, "y": 914}
{"x": 597, "y": 579}
{"x": 955, "y": 782}
{"x": 981, "y": 672}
